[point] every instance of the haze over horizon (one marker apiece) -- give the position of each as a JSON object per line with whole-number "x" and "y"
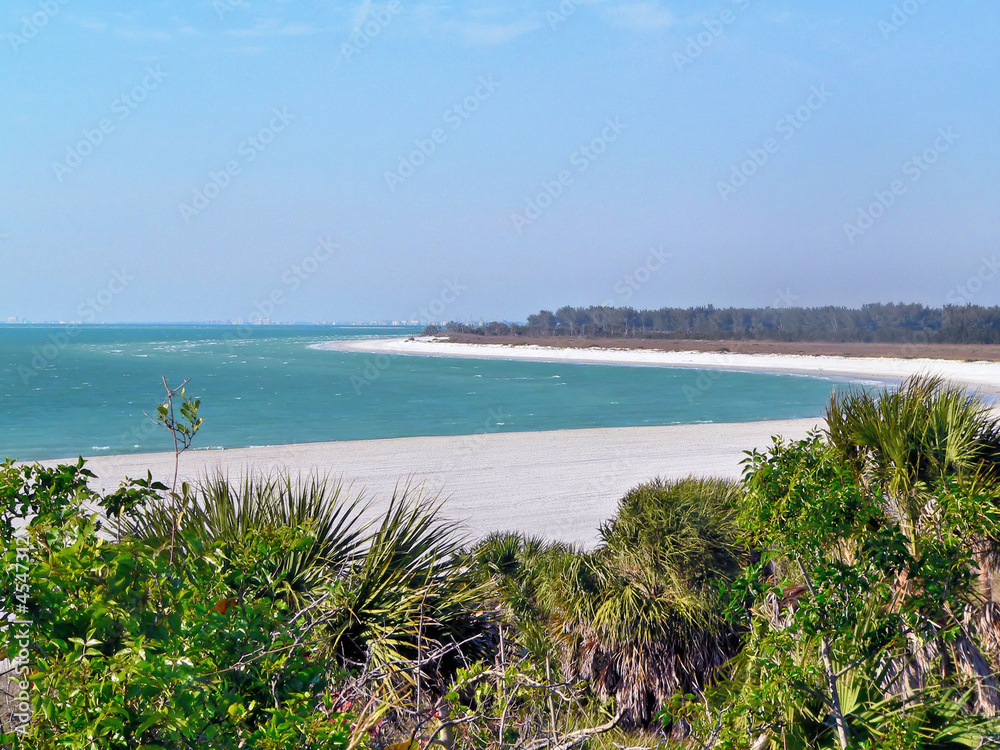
{"x": 372, "y": 161}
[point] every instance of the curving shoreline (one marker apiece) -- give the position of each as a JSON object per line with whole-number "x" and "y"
{"x": 561, "y": 484}
{"x": 983, "y": 376}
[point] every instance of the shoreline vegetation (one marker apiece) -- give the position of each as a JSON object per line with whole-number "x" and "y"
{"x": 842, "y": 592}
{"x": 862, "y": 349}
{"x": 895, "y": 323}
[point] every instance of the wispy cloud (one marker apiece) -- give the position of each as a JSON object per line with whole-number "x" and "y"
{"x": 640, "y": 16}
{"x": 90, "y": 25}
{"x": 492, "y": 34}
{"x": 275, "y": 27}
{"x": 298, "y": 29}
{"x": 485, "y": 24}
{"x": 134, "y": 35}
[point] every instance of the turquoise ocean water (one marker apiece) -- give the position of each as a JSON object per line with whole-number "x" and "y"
{"x": 83, "y": 390}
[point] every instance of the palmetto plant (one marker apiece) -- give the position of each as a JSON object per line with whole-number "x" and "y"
{"x": 387, "y": 590}
{"x": 908, "y": 444}
{"x": 221, "y": 509}
{"x": 906, "y": 441}
{"x": 409, "y": 594}
{"x": 510, "y": 565}
{"x": 641, "y": 616}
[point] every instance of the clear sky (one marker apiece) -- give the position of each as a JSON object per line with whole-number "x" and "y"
{"x": 334, "y": 161}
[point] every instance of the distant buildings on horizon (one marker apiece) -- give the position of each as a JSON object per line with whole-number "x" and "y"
{"x": 14, "y": 320}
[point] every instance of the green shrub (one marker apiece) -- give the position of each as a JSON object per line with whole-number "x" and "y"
{"x": 130, "y": 650}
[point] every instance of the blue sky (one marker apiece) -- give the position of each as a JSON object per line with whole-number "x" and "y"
{"x": 331, "y": 161}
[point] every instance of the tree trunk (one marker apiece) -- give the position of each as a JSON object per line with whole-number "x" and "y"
{"x": 843, "y": 733}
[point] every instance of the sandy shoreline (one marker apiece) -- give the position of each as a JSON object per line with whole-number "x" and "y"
{"x": 561, "y": 484}
{"x": 982, "y": 376}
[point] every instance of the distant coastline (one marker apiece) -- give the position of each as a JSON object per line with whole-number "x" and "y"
{"x": 862, "y": 349}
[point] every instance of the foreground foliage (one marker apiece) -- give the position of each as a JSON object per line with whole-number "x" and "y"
{"x": 129, "y": 650}
{"x": 864, "y": 614}
{"x": 639, "y": 618}
{"x": 840, "y": 596}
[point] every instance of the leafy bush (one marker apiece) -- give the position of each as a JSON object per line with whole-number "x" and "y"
{"x": 130, "y": 650}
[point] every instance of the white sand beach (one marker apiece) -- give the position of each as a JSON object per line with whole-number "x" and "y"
{"x": 981, "y": 376}
{"x": 560, "y": 484}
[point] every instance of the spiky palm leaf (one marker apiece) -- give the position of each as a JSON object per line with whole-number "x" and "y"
{"x": 226, "y": 510}
{"x": 641, "y": 616}
{"x": 509, "y": 565}
{"x": 408, "y": 594}
{"x": 398, "y": 588}
{"x": 907, "y": 441}
{"x": 905, "y": 444}
{"x": 910, "y": 438}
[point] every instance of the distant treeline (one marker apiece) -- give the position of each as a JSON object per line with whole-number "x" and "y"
{"x": 900, "y": 323}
